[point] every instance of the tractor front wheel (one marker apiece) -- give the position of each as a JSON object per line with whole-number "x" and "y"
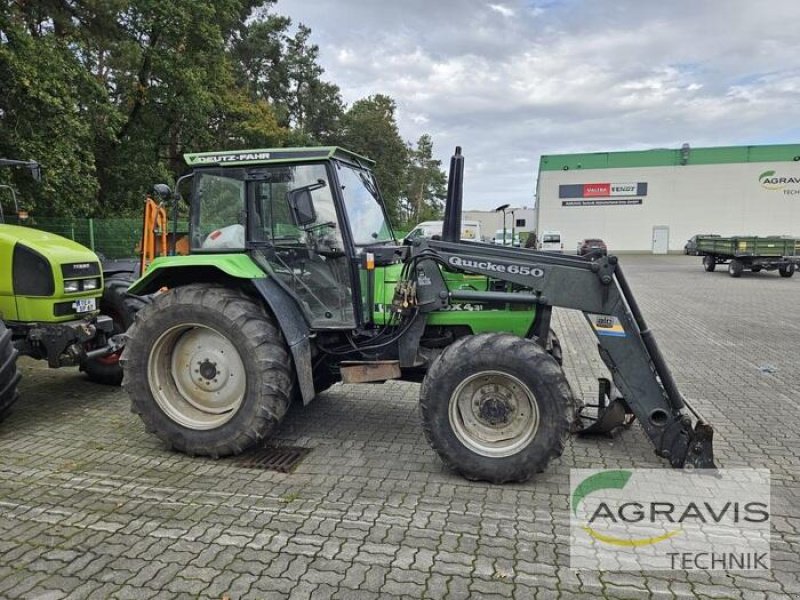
{"x": 9, "y": 375}
{"x": 207, "y": 370}
{"x": 496, "y": 407}
{"x": 122, "y": 307}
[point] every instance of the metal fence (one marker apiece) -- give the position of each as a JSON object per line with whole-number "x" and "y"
{"x": 112, "y": 238}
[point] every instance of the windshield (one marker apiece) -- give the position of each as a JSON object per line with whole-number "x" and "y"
{"x": 364, "y": 211}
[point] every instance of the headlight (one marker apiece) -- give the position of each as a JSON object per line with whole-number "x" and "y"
{"x": 70, "y": 287}
{"x": 91, "y": 284}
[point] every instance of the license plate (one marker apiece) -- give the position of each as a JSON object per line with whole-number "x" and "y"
{"x": 83, "y": 305}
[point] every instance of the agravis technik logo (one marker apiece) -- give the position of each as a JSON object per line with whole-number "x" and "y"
{"x": 770, "y": 180}
{"x": 613, "y": 480}
{"x": 669, "y": 519}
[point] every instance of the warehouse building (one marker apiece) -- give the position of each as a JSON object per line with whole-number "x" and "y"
{"x": 655, "y": 200}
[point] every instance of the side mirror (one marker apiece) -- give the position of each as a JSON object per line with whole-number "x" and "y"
{"x": 302, "y": 207}
{"x": 162, "y": 191}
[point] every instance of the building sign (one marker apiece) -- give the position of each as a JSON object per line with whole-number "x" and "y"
{"x": 773, "y": 181}
{"x": 602, "y": 194}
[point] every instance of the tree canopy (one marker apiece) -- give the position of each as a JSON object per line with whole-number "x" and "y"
{"x": 108, "y": 94}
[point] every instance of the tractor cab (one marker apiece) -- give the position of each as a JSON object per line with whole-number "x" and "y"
{"x": 310, "y": 218}
{"x": 20, "y": 213}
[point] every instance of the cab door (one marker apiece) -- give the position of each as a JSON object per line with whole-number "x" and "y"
{"x": 307, "y": 255}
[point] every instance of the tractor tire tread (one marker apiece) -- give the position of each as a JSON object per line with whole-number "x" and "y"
{"x": 123, "y": 307}
{"x": 267, "y": 362}
{"x": 9, "y": 374}
{"x": 526, "y": 360}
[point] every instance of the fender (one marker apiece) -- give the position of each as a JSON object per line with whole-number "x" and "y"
{"x": 174, "y": 271}
{"x": 182, "y": 270}
{"x": 294, "y": 328}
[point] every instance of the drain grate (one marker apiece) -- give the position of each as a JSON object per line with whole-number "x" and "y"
{"x": 283, "y": 459}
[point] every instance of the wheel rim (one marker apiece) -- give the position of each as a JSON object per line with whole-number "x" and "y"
{"x": 196, "y": 376}
{"x": 494, "y": 414}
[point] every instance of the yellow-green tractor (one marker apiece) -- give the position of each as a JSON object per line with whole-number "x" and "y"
{"x": 51, "y": 295}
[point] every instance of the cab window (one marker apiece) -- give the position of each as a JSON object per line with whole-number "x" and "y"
{"x": 220, "y": 215}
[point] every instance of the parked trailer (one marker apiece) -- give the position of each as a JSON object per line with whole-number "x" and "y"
{"x": 750, "y": 253}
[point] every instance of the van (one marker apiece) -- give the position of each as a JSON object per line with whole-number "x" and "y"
{"x": 470, "y": 230}
{"x": 508, "y": 240}
{"x": 551, "y": 242}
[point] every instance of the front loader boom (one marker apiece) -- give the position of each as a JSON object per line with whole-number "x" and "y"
{"x": 600, "y": 290}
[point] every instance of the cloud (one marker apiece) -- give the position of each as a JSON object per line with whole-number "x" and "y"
{"x": 509, "y": 81}
{"x": 503, "y": 10}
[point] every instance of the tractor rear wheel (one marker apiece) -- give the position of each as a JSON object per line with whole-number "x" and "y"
{"x": 554, "y": 348}
{"x": 122, "y": 307}
{"x": 9, "y": 375}
{"x": 496, "y": 407}
{"x": 709, "y": 263}
{"x": 207, "y": 370}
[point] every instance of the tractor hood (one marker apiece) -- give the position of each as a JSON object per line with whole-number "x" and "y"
{"x": 58, "y": 250}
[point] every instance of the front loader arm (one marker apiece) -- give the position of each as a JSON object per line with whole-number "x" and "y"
{"x": 598, "y": 289}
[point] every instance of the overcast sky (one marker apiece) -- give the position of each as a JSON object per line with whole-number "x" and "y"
{"x": 511, "y": 80}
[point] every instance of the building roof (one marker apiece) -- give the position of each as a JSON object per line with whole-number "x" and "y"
{"x": 665, "y": 157}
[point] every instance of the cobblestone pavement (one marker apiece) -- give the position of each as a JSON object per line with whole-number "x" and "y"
{"x": 93, "y": 507}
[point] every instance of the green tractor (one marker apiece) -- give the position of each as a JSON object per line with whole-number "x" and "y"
{"x": 51, "y": 293}
{"x": 295, "y": 281}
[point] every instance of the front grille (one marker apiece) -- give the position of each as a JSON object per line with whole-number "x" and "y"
{"x": 84, "y": 269}
{"x": 62, "y": 309}
{"x": 32, "y": 275}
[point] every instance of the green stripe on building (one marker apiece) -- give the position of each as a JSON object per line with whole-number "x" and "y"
{"x": 671, "y": 158}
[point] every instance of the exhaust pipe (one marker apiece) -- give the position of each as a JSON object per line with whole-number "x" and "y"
{"x": 451, "y": 231}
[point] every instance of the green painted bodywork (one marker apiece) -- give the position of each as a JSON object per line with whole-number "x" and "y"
{"x": 516, "y": 320}
{"x": 58, "y": 251}
{"x": 671, "y": 157}
{"x": 240, "y": 266}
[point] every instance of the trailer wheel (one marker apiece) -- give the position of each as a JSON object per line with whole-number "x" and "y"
{"x": 207, "y": 370}
{"x": 787, "y": 270}
{"x": 9, "y": 375}
{"x": 122, "y": 307}
{"x": 709, "y": 263}
{"x": 496, "y": 407}
{"x": 735, "y": 268}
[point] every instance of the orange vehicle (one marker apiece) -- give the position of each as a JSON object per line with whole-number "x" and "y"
{"x": 156, "y": 237}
